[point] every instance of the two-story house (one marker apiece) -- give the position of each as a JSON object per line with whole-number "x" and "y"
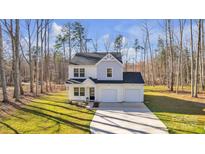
{"x": 99, "y": 76}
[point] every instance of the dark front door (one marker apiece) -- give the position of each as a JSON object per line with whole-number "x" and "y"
{"x": 92, "y": 94}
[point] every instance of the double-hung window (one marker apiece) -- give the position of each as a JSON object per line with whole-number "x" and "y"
{"x": 109, "y": 72}
{"x": 82, "y": 91}
{"x": 82, "y": 72}
{"x": 79, "y": 91}
{"x": 79, "y": 72}
{"x": 76, "y": 72}
{"x": 76, "y": 91}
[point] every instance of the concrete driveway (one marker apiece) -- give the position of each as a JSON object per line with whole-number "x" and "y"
{"x": 126, "y": 118}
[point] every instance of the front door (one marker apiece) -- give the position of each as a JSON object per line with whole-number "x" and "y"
{"x": 92, "y": 93}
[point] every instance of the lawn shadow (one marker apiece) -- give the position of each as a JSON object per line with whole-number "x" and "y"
{"x": 54, "y": 118}
{"x": 174, "y": 105}
{"x": 8, "y": 126}
{"x": 44, "y": 109}
{"x": 63, "y": 107}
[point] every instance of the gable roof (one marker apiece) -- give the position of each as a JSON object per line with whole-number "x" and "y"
{"x": 91, "y": 58}
{"x": 128, "y": 77}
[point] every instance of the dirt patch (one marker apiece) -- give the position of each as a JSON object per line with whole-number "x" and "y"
{"x": 12, "y": 105}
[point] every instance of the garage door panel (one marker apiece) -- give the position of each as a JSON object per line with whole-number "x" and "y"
{"x": 109, "y": 95}
{"x": 132, "y": 95}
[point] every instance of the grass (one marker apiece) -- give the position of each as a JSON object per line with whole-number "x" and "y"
{"x": 181, "y": 113}
{"x": 49, "y": 114}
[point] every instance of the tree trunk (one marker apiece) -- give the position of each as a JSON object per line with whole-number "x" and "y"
{"x": 41, "y": 62}
{"x": 30, "y": 57}
{"x": 192, "y": 60}
{"x": 46, "y": 56}
{"x": 197, "y": 60}
{"x": 16, "y": 62}
{"x": 167, "y": 54}
{"x": 152, "y": 63}
{"x": 180, "y": 57}
{"x": 2, "y": 72}
{"x": 20, "y": 80}
{"x": 202, "y": 58}
{"x": 37, "y": 54}
{"x": 171, "y": 56}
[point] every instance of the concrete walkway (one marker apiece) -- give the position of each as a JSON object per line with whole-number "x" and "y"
{"x": 126, "y": 118}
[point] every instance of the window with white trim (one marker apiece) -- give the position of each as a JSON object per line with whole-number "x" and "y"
{"x": 79, "y": 72}
{"x": 79, "y": 91}
{"x": 82, "y": 72}
{"x": 76, "y": 72}
{"x": 82, "y": 91}
{"x": 109, "y": 72}
{"x": 76, "y": 91}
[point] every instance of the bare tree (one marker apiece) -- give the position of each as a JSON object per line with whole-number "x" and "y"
{"x": 28, "y": 27}
{"x": 202, "y": 57}
{"x": 41, "y": 54}
{"x": 2, "y": 72}
{"x": 180, "y": 56}
{"x": 197, "y": 60}
{"x": 37, "y": 56}
{"x": 171, "y": 55}
{"x": 147, "y": 32}
{"x": 107, "y": 43}
{"x": 95, "y": 44}
{"x": 192, "y": 59}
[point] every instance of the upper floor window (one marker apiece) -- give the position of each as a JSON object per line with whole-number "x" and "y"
{"x": 79, "y": 72}
{"x": 76, "y": 72}
{"x": 82, "y": 72}
{"x": 109, "y": 72}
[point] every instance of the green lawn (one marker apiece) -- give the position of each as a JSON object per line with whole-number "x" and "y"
{"x": 50, "y": 114}
{"x": 180, "y": 113}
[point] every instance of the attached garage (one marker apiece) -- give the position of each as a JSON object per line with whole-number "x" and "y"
{"x": 109, "y": 95}
{"x": 133, "y": 95}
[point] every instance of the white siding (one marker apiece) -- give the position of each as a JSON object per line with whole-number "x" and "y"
{"x": 117, "y": 70}
{"x": 90, "y": 70}
{"x": 120, "y": 88}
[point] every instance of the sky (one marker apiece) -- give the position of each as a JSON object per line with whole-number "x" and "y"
{"x": 130, "y": 28}
{"x": 99, "y": 29}
{"x": 102, "y": 28}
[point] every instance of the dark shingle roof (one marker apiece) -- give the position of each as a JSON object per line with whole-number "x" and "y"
{"x": 132, "y": 77}
{"x": 128, "y": 77}
{"x": 92, "y": 58}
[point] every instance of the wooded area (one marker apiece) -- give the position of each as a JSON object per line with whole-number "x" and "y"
{"x": 28, "y": 56}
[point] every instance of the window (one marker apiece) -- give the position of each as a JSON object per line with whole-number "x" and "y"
{"x": 76, "y": 91}
{"x": 109, "y": 72}
{"x": 79, "y": 72}
{"x": 82, "y": 72}
{"x": 75, "y": 72}
{"x": 82, "y": 91}
{"x": 79, "y": 91}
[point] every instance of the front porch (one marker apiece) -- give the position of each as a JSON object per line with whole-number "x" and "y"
{"x": 82, "y": 91}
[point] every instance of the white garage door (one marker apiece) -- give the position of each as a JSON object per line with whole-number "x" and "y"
{"x": 109, "y": 95}
{"x": 133, "y": 95}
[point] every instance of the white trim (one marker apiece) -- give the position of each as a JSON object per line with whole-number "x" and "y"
{"x": 88, "y": 80}
{"x": 112, "y": 56}
{"x": 78, "y": 68}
